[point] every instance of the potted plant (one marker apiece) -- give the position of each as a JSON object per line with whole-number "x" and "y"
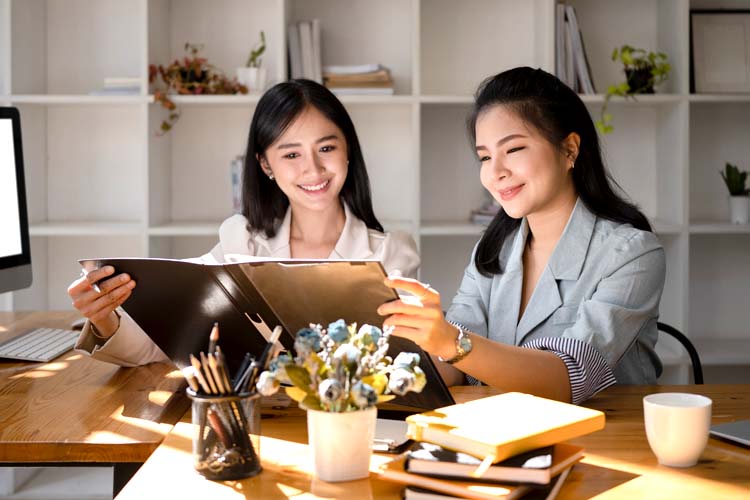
{"x": 252, "y": 75}
{"x": 644, "y": 70}
{"x": 338, "y": 375}
{"x": 192, "y": 75}
{"x": 739, "y": 199}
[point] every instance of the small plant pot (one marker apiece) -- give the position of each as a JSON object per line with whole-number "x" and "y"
{"x": 252, "y": 78}
{"x": 341, "y": 443}
{"x": 739, "y": 209}
{"x": 638, "y": 80}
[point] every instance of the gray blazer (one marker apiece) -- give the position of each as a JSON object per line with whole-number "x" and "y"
{"x": 602, "y": 286}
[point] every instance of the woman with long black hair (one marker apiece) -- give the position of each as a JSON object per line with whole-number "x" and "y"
{"x": 306, "y": 194}
{"x": 561, "y": 295}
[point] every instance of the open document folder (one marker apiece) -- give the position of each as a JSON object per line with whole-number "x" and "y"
{"x": 177, "y": 301}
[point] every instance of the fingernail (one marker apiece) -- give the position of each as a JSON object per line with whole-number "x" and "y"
{"x": 109, "y": 269}
{"x": 131, "y": 284}
{"x": 124, "y": 278}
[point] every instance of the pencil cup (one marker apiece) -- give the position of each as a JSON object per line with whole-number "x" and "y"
{"x": 226, "y": 442}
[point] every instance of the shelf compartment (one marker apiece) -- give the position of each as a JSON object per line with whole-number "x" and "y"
{"x": 86, "y": 229}
{"x": 51, "y": 52}
{"x": 723, "y": 351}
{"x": 718, "y": 228}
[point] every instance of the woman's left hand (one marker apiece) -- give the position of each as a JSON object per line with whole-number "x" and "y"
{"x": 420, "y": 319}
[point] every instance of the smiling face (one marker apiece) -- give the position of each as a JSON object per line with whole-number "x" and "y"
{"x": 309, "y": 162}
{"x": 520, "y": 168}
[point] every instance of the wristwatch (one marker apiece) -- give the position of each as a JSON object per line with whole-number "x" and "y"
{"x": 463, "y": 346}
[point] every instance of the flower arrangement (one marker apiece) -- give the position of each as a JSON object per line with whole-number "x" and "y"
{"x": 191, "y": 76}
{"x": 342, "y": 369}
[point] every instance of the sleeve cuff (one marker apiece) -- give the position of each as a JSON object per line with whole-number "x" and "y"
{"x": 588, "y": 371}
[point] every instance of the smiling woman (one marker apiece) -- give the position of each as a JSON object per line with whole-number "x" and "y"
{"x": 306, "y": 194}
{"x": 561, "y": 295}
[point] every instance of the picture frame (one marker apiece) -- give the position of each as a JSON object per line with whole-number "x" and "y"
{"x": 720, "y": 48}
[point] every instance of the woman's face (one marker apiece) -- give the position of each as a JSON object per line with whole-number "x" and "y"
{"x": 519, "y": 167}
{"x": 309, "y": 161}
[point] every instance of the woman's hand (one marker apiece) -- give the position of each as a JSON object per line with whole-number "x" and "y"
{"x": 420, "y": 319}
{"x": 99, "y": 306}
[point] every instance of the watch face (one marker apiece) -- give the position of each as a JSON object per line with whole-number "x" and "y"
{"x": 465, "y": 343}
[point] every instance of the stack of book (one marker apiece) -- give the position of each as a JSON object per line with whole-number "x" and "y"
{"x": 500, "y": 447}
{"x": 305, "y": 60}
{"x": 572, "y": 65}
{"x": 358, "y": 79}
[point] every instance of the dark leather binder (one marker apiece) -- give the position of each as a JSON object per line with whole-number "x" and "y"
{"x": 175, "y": 302}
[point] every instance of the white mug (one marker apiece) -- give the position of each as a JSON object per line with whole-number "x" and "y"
{"x": 677, "y": 426}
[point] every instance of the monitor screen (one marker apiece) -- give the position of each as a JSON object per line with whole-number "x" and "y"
{"x": 15, "y": 255}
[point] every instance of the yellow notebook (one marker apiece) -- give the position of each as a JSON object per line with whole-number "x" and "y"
{"x": 499, "y": 427}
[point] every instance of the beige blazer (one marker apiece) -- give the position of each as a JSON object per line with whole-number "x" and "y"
{"x": 397, "y": 251}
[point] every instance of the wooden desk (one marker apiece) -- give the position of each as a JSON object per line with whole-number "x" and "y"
{"x": 78, "y": 410}
{"x": 618, "y": 462}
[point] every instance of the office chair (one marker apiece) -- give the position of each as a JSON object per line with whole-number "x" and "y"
{"x": 692, "y": 352}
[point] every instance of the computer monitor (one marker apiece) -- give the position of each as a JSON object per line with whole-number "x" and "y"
{"x": 15, "y": 253}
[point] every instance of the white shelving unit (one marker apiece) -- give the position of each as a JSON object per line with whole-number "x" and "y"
{"x": 101, "y": 183}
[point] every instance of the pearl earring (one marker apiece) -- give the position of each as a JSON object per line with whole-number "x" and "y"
{"x": 270, "y": 176}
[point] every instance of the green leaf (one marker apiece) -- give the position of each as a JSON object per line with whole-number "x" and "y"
{"x": 299, "y": 377}
{"x": 311, "y": 402}
{"x": 296, "y": 393}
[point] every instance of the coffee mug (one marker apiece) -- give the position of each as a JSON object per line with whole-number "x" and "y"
{"x": 677, "y": 426}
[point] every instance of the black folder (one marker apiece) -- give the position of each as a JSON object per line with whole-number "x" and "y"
{"x": 176, "y": 301}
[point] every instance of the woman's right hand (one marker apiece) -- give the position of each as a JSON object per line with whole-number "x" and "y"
{"x": 99, "y": 306}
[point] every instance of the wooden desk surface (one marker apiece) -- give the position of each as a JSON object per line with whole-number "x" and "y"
{"x": 75, "y": 409}
{"x": 618, "y": 462}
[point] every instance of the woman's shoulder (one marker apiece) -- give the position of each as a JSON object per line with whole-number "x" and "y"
{"x": 397, "y": 250}
{"x": 620, "y": 236}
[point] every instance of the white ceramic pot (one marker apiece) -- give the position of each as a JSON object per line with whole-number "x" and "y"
{"x": 252, "y": 78}
{"x": 341, "y": 443}
{"x": 739, "y": 209}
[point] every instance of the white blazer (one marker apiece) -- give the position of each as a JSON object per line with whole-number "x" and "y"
{"x": 397, "y": 251}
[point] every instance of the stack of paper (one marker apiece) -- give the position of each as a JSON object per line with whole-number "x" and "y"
{"x": 358, "y": 79}
{"x": 572, "y": 66}
{"x": 119, "y": 86}
{"x": 305, "y": 60}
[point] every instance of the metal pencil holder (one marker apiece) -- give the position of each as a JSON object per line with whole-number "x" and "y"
{"x": 226, "y": 443}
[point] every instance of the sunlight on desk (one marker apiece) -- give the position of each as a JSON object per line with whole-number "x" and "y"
{"x": 159, "y": 397}
{"x": 141, "y": 423}
{"x": 32, "y": 374}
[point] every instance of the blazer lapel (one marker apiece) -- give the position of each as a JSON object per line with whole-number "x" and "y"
{"x": 565, "y": 263}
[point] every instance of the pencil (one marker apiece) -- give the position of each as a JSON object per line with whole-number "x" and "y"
{"x": 213, "y": 338}
{"x": 207, "y": 374}
{"x": 198, "y": 375}
{"x": 217, "y": 375}
{"x": 189, "y": 373}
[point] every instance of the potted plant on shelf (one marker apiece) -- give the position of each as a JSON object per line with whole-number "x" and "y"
{"x": 739, "y": 194}
{"x": 252, "y": 75}
{"x": 192, "y": 75}
{"x": 644, "y": 70}
{"x": 338, "y": 375}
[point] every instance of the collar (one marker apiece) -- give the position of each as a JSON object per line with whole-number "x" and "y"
{"x": 354, "y": 241}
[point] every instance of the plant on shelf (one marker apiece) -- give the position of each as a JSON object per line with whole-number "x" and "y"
{"x": 644, "y": 70}
{"x": 252, "y": 75}
{"x": 192, "y": 75}
{"x": 739, "y": 194}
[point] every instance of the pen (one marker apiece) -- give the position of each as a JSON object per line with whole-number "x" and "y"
{"x": 256, "y": 367}
{"x": 241, "y": 370}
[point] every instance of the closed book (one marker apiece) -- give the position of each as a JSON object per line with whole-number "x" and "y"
{"x": 382, "y": 75}
{"x": 349, "y": 69}
{"x": 536, "y": 466}
{"x": 395, "y": 471}
{"x": 550, "y": 492}
{"x": 499, "y": 427}
{"x": 335, "y": 84}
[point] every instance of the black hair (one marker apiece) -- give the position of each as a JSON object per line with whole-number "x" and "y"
{"x": 551, "y": 107}
{"x": 263, "y": 203}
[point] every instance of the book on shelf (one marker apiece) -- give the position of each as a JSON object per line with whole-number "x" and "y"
{"x": 383, "y": 75}
{"x": 119, "y": 86}
{"x": 366, "y": 82}
{"x": 362, "y": 90}
{"x": 177, "y": 301}
{"x": 571, "y": 65}
{"x": 304, "y": 39}
{"x": 536, "y": 466}
{"x": 351, "y": 69}
{"x": 548, "y": 493}
{"x": 498, "y": 427}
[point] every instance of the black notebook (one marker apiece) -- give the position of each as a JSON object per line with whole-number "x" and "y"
{"x": 537, "y": 466}
{"x": 175, "y": 302}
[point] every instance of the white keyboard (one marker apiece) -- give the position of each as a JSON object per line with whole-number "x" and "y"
{"x": 40, "y": 344}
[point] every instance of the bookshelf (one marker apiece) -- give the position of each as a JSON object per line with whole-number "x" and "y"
{"x": 101, "y": 183}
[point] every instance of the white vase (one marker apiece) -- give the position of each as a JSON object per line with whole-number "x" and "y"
{"x": 739, "y": 209}
{"x": 252, "y": 78}
{"x": 341, "y": 443}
